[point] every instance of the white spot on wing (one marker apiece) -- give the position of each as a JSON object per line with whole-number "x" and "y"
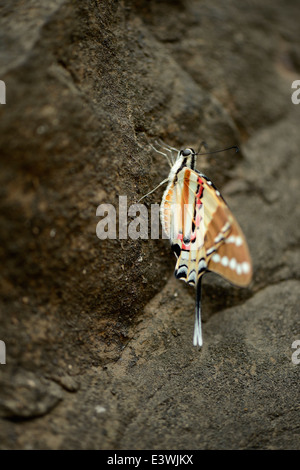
{"x": 233, "y": 239}
{"x": 232, "y": 263}
{"x": 224, "y": 261}
{"x": 238, "y": 241}
{"x": 245, "y": 267}
{"x": 239, "y": 269}
{"x": 216, "y": 258}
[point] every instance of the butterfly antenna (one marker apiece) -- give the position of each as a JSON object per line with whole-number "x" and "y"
{"x": 222, "y": 150}
{"x": 202, "y": 144}
{"x": 197, "y": 341}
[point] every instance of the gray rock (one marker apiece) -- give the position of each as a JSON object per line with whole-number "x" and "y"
{"x": 89, "y": 85}
{"x": 24, "y": 396}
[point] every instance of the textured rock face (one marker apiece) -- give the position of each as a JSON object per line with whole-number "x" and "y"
{"x": 98, "y": 334}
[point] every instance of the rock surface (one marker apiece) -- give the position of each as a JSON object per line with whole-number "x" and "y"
{"x": 99, "y": 333}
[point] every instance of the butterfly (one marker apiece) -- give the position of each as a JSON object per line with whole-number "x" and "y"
{"x": 204, "y": 234}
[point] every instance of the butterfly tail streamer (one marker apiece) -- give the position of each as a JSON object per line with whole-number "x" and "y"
{"x": 197, "y": 341}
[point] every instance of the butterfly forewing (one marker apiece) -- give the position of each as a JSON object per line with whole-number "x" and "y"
{"x": 225, "y": 244}
{"x": 232, "y": 259}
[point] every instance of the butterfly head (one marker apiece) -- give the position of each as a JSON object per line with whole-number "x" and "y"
{"x": 187, "y": 158}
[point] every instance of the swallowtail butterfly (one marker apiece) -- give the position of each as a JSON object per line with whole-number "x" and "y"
{"x": 204, "y": 234}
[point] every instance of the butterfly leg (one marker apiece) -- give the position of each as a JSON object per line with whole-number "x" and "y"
{"x": 197, "y": 341}
{"x": 168, "y": 148}
{"x": 162, "y": 153}
{"x": 152, "y": 191}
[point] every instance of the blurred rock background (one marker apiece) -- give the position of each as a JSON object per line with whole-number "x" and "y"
{"x": 99, "y": 333}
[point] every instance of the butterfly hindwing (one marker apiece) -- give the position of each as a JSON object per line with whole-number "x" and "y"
{"x": 182, "y": 210}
